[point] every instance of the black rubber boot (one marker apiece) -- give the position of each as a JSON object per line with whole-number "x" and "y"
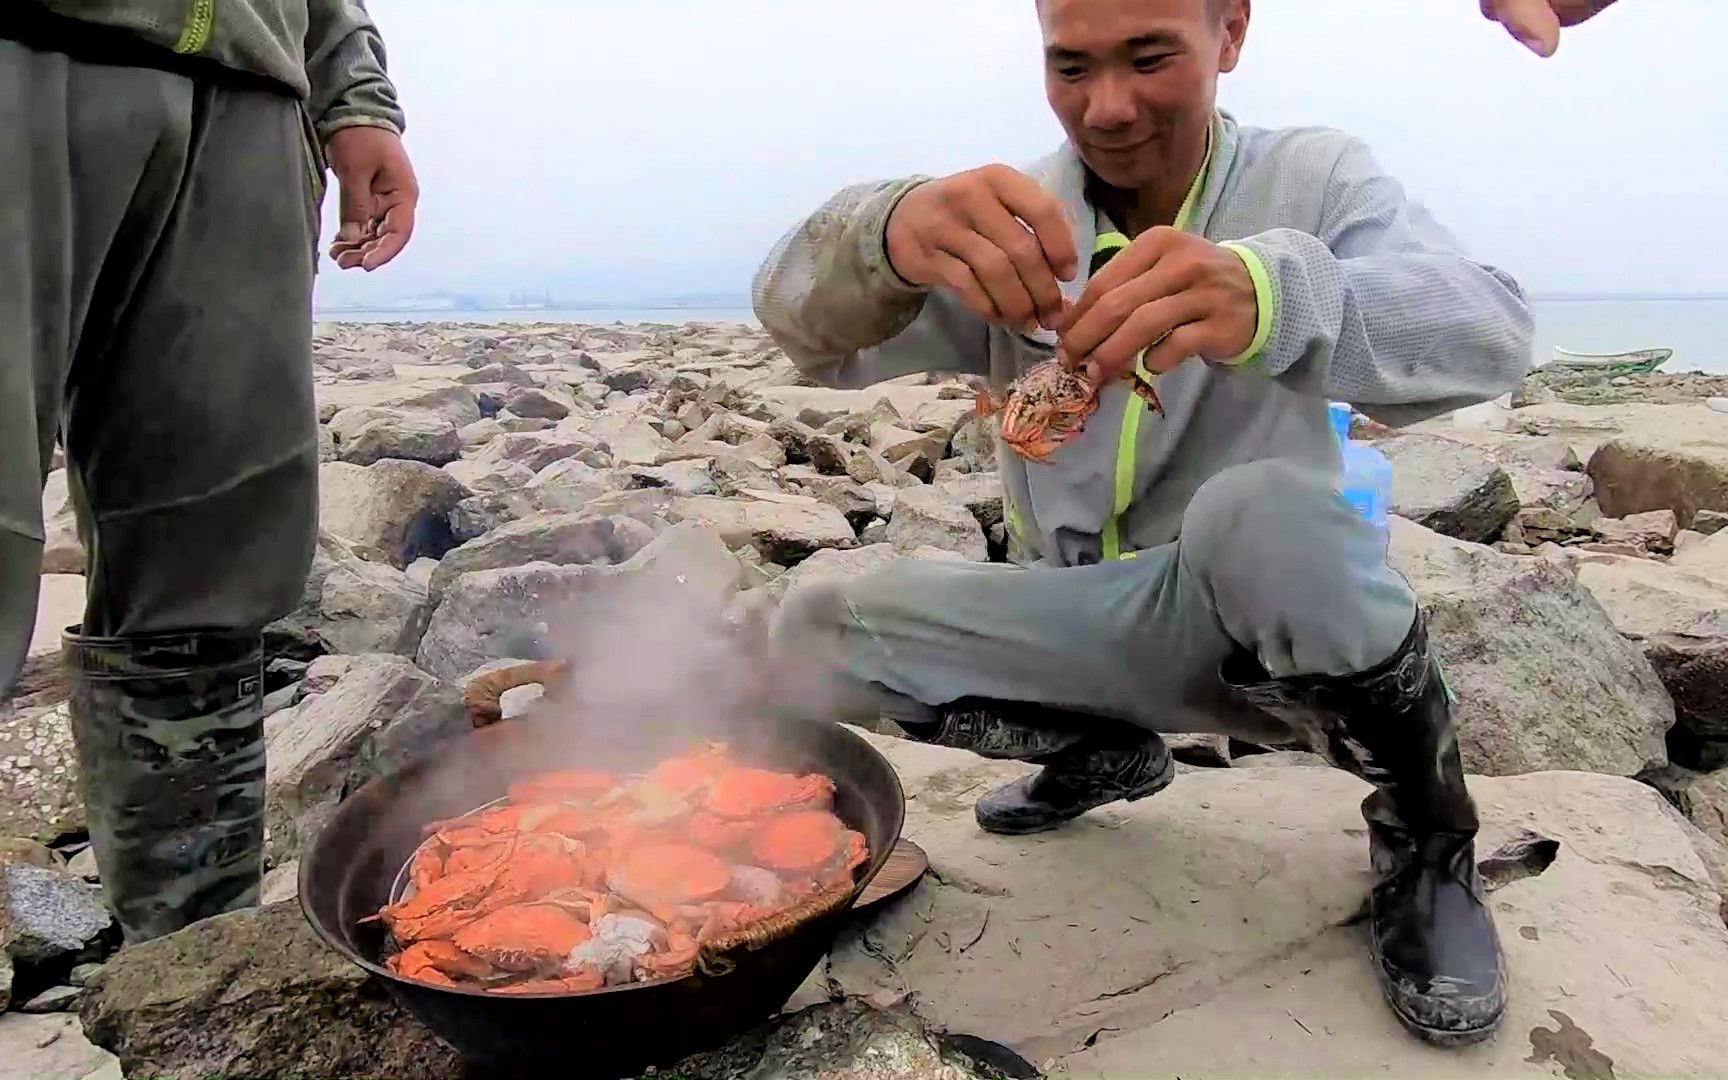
{"x": 1435, "y": 947}
{"x": 170, "y": 737}
{"x": 1088, "y": 761}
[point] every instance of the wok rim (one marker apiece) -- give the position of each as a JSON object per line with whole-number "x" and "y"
{"x": 425, "y": 764}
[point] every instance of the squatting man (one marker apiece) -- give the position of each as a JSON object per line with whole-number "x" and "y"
{"x": 1193, "y": 570}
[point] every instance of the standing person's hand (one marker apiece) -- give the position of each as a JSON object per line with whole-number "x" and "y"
{"x": 378, "y": 196}
{"x": 993, "y": 236}
{"x": 1537, "y": 23}
{"x": 1171, "y": 293}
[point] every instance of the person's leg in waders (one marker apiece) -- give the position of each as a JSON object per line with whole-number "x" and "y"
{"x": 156, "y": 257}
{"x": 1275, "y": 610}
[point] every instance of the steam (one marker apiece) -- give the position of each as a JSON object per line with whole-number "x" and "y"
{"x": 668, "y": 643}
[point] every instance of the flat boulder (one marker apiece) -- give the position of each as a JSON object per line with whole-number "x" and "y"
{"x": 1544, "y": 680}
{"x": 1449, "y": 486}
{"x": 1179, "y": 936}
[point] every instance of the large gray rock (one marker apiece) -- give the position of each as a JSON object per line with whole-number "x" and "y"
{"x": 254, "y": 993}
{"x": 1543, "y": 678}
{"x": 844, "y": 1040}
{"x": 558, "y": 538}
{"x": 1449, "y": 486}
{"x": 533, "y": 402}
{"x": 380, "y": 714}
{"x": 1228, "y": 956}
{"x": 629, "y": 438}
{"x": 928, "y": 517}
{"x": 980, "y": 493}
{"x": 365, "y": 435}
{"x": 354, "y": 606}
{"x": 490, "y": 614}
{"x": 487, "y": 477}
{"x": 396, "y": 507}
{"x": 48, "y": 914}
{"x": 786, "y": 529}
{"x": 1637, "y": 474}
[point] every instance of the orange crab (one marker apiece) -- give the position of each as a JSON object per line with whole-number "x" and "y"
{"x": 741, "y": 800}
{"x": 812, "y": 844}
{"x": 1048, "y": 406}
{"x": 661, "y": 877}
{"x": 581, "y": 880}
{"x": 437, "y": 962}
{"x": 525, "y": 938}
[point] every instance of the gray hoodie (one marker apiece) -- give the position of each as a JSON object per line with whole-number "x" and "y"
{"x": 1364, "y": 298}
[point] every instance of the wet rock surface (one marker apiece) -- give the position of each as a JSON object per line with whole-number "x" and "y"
{"x": 254, "y": 993}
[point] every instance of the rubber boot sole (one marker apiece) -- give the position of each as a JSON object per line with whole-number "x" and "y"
{"x": 1445, "y": 1038}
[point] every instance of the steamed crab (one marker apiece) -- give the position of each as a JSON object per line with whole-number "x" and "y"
{"x": 1049, "y": 405}
{"x": 584, "y": 879}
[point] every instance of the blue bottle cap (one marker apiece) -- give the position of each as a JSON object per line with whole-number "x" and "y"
{"x": 1340, "y": 415}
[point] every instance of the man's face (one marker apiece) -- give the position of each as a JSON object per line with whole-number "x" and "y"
{"x": 1134, "y": 82}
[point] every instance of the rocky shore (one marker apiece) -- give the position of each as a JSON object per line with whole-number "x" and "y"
{"x": 478, "y": 480}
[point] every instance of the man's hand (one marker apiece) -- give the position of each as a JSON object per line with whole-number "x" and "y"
{"x": 1537, "y": 23}
{"x": 970, "y": 233}
{"x": 1171, "y": 293}
{"x": 378, "y": 196}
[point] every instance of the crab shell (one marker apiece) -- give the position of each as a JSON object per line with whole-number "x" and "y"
{"x": 1048, "y": 406}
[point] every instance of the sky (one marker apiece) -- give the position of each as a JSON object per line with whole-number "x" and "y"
{"x": 631, "y": 150}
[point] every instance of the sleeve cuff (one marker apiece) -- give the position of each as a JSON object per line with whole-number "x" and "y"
{"x": 876, "y": 237}
{"x": 330, "y": 125}
{"x": 1265, "y": 299}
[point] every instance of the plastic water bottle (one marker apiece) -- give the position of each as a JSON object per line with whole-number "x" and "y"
{"x": 1366, "y": 483}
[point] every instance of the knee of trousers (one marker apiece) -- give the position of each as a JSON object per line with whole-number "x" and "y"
{"x": 1265, "y": 530}
{"x": 810, "y": 624}
{"x": 236, "y": 559}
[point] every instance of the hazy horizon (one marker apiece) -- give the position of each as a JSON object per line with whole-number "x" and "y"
{"x": 624, "y": 154}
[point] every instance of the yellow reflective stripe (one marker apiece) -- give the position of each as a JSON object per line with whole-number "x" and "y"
{"x": 1126, "y": 448}
{"x": 1016, "y": 523}
{"x": 1128, "y": 445}
{"x": 1264, "y": 298}
{"x": 200, "y": 21}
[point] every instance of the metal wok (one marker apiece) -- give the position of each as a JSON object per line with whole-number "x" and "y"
{"x": 348, "y": 871}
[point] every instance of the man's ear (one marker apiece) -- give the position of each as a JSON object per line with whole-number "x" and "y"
{"x": 1236, "y": 17}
